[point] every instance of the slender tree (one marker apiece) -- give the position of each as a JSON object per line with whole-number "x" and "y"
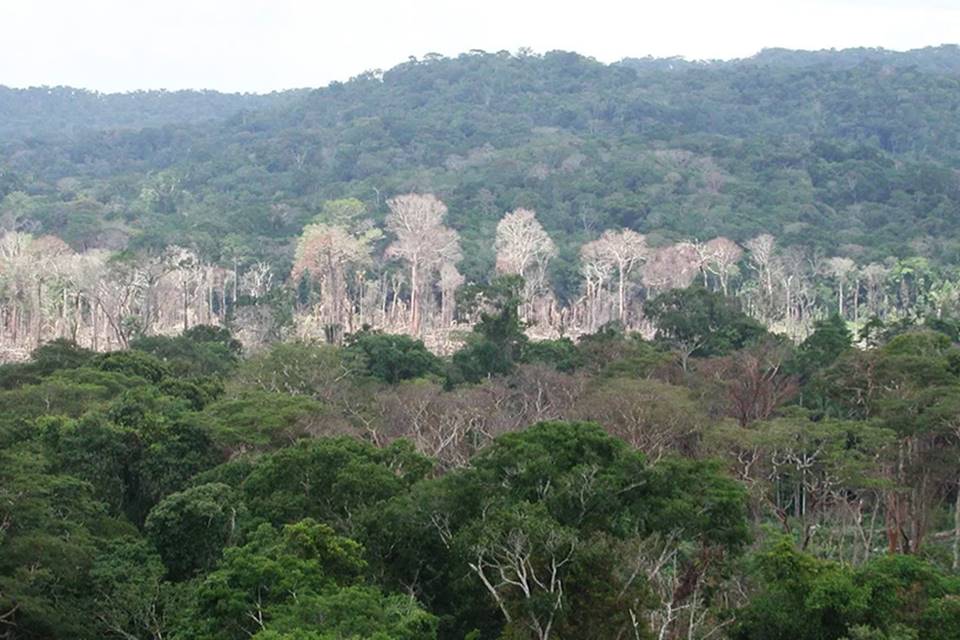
{"x": 422, "y": 241}
{"x": 722, "y": 256}
{"x": 524, "y": 248}
{"x": 624, "y": 250}
{"x": 327, "y": 253}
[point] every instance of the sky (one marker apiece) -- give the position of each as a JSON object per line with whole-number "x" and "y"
{"x": 265, "y": 45}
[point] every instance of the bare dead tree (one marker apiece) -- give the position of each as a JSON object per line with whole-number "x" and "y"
{"x": 721, "y": 258}
{"x": 328, "y": 253}
{"x": 624, "y": 250}
{"x": 761, "y": 251}
{"x": 671, "y": 267}
{"x": 450, "y": 280}
{"x": 524, "y": 248}
{"x": 839, "y": 269}
{"x": 422, "y": 241}
{"x": 596, "y": 268}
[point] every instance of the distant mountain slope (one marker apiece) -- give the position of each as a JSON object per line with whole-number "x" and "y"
{"x": 53, "y": 111}
{"x": 942, "y": 59}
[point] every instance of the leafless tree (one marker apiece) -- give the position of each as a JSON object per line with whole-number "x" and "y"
{"x": 422, "y": 241}
{"x": 751, "y": 382}
{"x": 839, "y": 269}
{"x": 624, "y": 250}
{"x": 522, "y": 558}
{"x": 875, "y": 277}
{"x": 596, "y": 268}
{"x": 761, "y": 251}
{"x": 450, "y": 280}
{"x": 721, "y": 256}
{"x": 328, "y": 253}
{"x": 655, "y": 417}
{"x": 188, "y": 271}
{"x": 257, "y": 280}
{"x": 524, "y": 248}
{"x": 671, "y": 267}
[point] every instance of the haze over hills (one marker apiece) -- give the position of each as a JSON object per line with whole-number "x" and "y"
{"x": 942, "y": 59}
{"x": 65, "y": 111}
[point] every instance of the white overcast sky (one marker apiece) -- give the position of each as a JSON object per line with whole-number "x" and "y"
{"x": 262, "y": 45}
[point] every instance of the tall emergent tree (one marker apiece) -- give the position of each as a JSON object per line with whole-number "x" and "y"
{"x": 623, "y": 250}
{"x": 524, "y": 249}
{"x": 422, "y": 241}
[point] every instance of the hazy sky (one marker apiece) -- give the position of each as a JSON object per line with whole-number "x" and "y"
{"x": 261, "y": 45}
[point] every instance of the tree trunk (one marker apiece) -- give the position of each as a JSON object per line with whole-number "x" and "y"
{"x": 414, "y": 302}
{"x": 956, "y": 529}
{"x": 37, "y": 319}
{"x": 95, "y": 311}
{"x": 856, "y": 300}
{"x": 236, "y": 280}
{"x": 186, "y": 322}
{"x": 622, "y": 314}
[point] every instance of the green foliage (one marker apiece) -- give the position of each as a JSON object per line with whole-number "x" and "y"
{"x": 301, "y": 582}
{"x": 842, "y": 153}
{"x": 49, "y": 110}
{"x": 498, "y": 340}
{"x": 329, "y": 479}
{"x": 345, "y": 212}
{"x": 133, "y": 363}
{"x": 802, "y": 597}
{"x": 52, "y": 523}
{"x": 610, "y": 353}
{"x": 567, "y": 493}
{"x": 97, "y": 451}
{"x": 143, "y": 446}
{"x": 307, "y": 369}
{"x": 897, "y": 381}
{"x": 829, "y": 340}
{"x": 357, "y": 612}
{"x": 65, "y": 392}
{"x": 701, "y": 323}
{"x": 190, "y": 529}
{"x": 561, "y": 354}
{"x": 823, "y": 149}
{"x": 197, "y": 393}
{"x": 393, "y": 358}
{"x": 261, "y": 419}
{"x": 53, "y": 356}
{"x": 941, "y": 618}
{"x": 130, "y": 596}
{"x": 256, "y": 547}
{"x": 200, "y": 351}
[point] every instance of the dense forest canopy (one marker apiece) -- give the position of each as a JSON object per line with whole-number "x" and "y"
{"x": 824, "y": 149}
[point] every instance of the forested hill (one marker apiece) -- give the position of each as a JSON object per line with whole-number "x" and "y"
{"x": 942, "y": 59}
{"x": 843, "y": 152}
{"x": 65, "y": 111}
